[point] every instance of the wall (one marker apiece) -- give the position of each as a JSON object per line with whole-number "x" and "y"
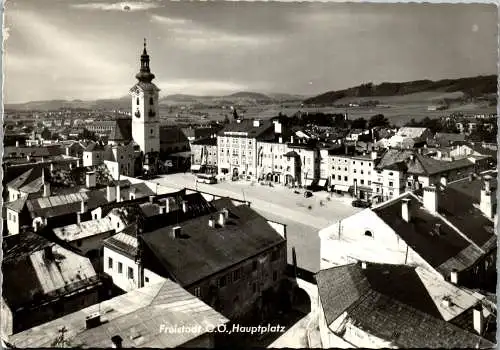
{"x": 272, "y": 160}
{"x": 328, "y": 338}
{"x": 92, "y": 158}
{"x": 14, "y": 194}
{"x": 12, "y": 222}
{"x": 94, "y": 242}
{"x": 121, "y": 280}
{"x": 237, "y": 153}
{"x": 145, "y": 128}
{"x": 6, "y": 319}
{"x": 384, "y": 246}
{"x": 362, "y": 339}
{"x": 238, "y": 297}
{"x": 196, "y": 153}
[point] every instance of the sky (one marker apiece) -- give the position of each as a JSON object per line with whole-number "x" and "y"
{"x": 61, "y": 49}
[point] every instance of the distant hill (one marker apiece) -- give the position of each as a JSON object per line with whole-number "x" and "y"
{"x": 471, "y": 87}
{"x": 51, "y": 105}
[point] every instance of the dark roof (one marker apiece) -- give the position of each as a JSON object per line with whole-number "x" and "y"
{"x": 172, "y": 134}
{"x": 443, "y": 252}
{"x": 204, "y": 251}
{"x": 247, "y": 126}
{"x": 122, "y": 130}
{"x": 207, "y": 141}
{"x": 32, "y": 151}
{"x": 94, "y": 146}
{"x": 17, "y": 205}
{"x": 472, "y": 189}
{"x": 389, "y": 302}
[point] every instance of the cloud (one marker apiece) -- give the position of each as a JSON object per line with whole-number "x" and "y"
{"x": 117, "y": 6}
{"x": 193, "y": 35}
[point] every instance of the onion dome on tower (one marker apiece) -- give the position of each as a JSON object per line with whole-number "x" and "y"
{"x": 145, "y": 74}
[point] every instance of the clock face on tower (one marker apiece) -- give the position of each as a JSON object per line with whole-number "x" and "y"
{"x": 137, "y": 113}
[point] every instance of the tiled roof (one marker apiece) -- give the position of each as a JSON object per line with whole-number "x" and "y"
{"x": 247, "y": 126}
{"x": 32, "y": 151}
{"x": 203, "y": 250}
{"x": 17, "y": 205}
{"x": 390, "y": 302}
{"x": 137, "y": 317}
{"x": 65, "y": 204}
{"x": 122, "y": 130}
{"x": 472, "y": 189}
{"x": 94, "y": 146}
{"x": 42, "y": 278}
{"x": 83, "y": 230}
{"x": 207, "y": 141}
{"x": 411, "y": 132}
{"x": 446, "y": 251}
{"x": 29, "y": 181}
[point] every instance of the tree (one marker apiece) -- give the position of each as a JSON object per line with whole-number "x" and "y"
{"x": 46, "y": 134}
{"x": 378, "y": 120}
{"x": 359, "y": 123}
{"x": 89, "y": 135}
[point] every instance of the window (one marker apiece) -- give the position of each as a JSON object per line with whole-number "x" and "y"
{"x": 369, "y": 182}
{"x": 137, "y": 101}
{"x": 146, "y": 279}
{"x": 345, "y": 178}
{"x": 151, "y": 131}
{"x": 361, "y": 163}
{"x": 275, "y": 276}
{"x": 353, "y": 162}
{"x": 361, "y": 171}
{"x": 391, "y": 173}
{"x": 79, "y": 243}
{"x": 151, "y": 102}
{"x": 362, "y": 181}
{"x": 275, "y": 255}
{"x": 120, "y": 267}
{"x": 254, "y": 265}
{"x": 368, "y": 234}
{"x": 197, "y": 292}
{"x": 409, "y": 183}
{"x": 110, "y": 263}
{"x": 355, "y": 171}
{"x": 130, "y": 273}
{"x": 236, "y": 275}
{"x": 391, "y": 183}
{"x": 222, "y": 281}
{"x": 339, "y": 177}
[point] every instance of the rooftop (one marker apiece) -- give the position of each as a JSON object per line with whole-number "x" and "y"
{"x": 392, "y": 302}
{"x": 42, "y": 278}
{"x": 137, "y": 317}
{"x": 83, "y": 230}
{"x": 203, "y": 250}
{"x": 472, "y": 187}
{"x": 247, "y": 128}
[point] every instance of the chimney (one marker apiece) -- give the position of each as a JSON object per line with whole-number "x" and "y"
{"x": 444, "y": 181}
{"x": 374, "y": 155}
{"x": 405, "y": 209}
{"x": 222, "y": 219}
{"x": 446, "y": 302}
{"x": 363, "y": 265}
{"x": 280, "y": 139}
{"x": 454, "y": 276}
{"x": 83, "y": 206}
{"x": 412, "y": 157}
{"x": 90, "y": 179}
{"x": 211, "y": 222}
{"x": 430, "y": 199}
{"x": 78, "y": 163}
{"x": 291, "y": 139}
{"x": 116, "y": 342}
{"x": 118, "y": 192}
{"x": 46, "y": 189}
{"x": 68, "y": 151}
{"x": 151, "y": 199}
{"x": 17, "y": 144}
{"x": 28, "y": 158}
{"x": 48, "y": 254}
{"x": 167, "y": 205}
{"x": 78, "y": 218}
{"x": 478, "y": 319}
{"x": 110, "y": 194}
{"x": 176, "y": 232}
{"x": 486, "y": 201}
{"x": 51, "y": 167}
{"x": 277, "y": 127}
{"x": 184, "y": 206}
{"x": 257, "y": 123}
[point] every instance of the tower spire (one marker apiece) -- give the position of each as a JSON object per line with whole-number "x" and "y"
{"x": 145, "y": 74}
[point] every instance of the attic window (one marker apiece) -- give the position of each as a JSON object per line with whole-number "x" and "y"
{"x": 368, "y": 233}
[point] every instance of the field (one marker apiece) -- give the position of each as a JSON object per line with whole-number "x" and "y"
{"x": 398, "y": 109}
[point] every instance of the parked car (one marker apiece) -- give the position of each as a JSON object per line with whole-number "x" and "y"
{"x": 358, "y": 203}
{"x": 308, "y": 194}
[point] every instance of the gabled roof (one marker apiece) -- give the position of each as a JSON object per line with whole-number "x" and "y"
{"x": 94, "y": 146}
{"x": 30, "y": 180}
{"x": 17, "y": 205}
{"x": 451, "y": 249}
{"x": 411, "y": 132}
{"x": 204, "y": 251}
{"x": 65, "y": 204}
{"x": 247, "y": 126}
{"x": 392, "y": 303}
{"x": 122, "y": 130}
{"x": 472, "y": 188}
{"x": 138, "y": 317}
{"x": 42, "y": 279}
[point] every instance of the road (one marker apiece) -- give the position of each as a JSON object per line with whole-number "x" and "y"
{"x": 304, "y": 217}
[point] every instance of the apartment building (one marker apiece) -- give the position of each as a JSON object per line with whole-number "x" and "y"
{"x": 204, "y": 155}
{"x": 237, "y": 147}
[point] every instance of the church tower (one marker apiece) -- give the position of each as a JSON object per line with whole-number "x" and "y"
{"x": 145, "y": 111}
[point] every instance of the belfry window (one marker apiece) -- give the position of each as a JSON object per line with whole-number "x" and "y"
{"x": 151, "y": 102}
{"x": 137, "y": 101}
